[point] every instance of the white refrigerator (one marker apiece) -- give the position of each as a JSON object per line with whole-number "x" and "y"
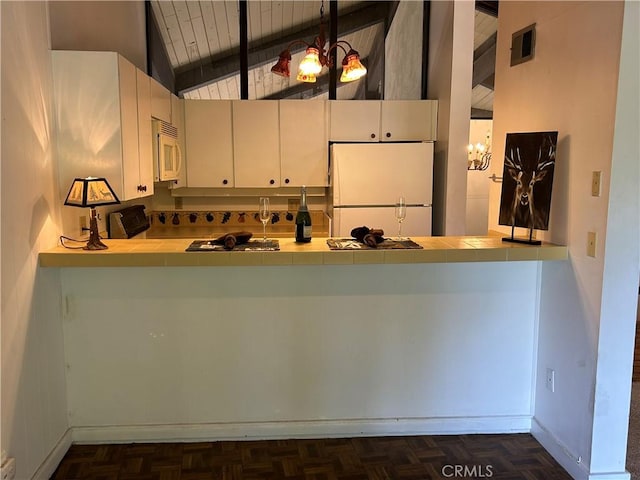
{"x": 368, "y": 178}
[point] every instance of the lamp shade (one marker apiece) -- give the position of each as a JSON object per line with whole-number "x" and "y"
{"x": 90, "y": 192}
{"x": 282, "y": 66}
{"x": 306, "y": 77}
{"x": 352, "y": 68}
{"x": 310, "y": 64}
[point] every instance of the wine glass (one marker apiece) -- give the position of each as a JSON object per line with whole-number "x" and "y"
{"x": 265, "y": 214}
{"x": 401, "y": 213}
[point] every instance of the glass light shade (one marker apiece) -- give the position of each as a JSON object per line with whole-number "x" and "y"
{"x": 310, "y": 64}
{"x": 282, "y": 65}
{"x": 90, "y": 192}
{"x": 352, "y": 68}
{"x": 308, "y": 78}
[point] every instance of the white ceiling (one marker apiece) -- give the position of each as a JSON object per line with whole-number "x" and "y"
{"x": 197, "y": 31}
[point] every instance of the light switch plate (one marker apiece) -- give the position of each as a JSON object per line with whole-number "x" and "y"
{"x": 592, "y": 239}
{"x": 596, "y": 179}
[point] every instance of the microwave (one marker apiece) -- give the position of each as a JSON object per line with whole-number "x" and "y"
{"x": 167, "y": 157}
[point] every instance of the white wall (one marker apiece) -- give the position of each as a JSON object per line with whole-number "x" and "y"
{"x": 571, "y": 86}
{"x": 115, "y": 26}
{"x": 403, "y": 54}
{"x": 449, "y": 76}
{"x": 301, "y": 350}
{"x": 620, "y": 277}
{"x": 34, "y": 413}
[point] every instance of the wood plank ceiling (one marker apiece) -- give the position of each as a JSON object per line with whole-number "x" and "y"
{"x": 202, "y": 41}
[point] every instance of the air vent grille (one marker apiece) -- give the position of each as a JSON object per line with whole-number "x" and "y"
{"x": 168, "y": 129}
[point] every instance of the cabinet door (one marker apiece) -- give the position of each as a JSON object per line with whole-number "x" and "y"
{"x": 177, "y": 119}
{"x": 256, "y": 143}
{"x": 354, "y": 120}
{"x": 209, "y": 150}
{"x": 160, "y": 101}
{"x": 403, "y": 120}
{"x": 145, "y": 150}
{"x": 303, "y": 143}
{"x": 129, "y": 125}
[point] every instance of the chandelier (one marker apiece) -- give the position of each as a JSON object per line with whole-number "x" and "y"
{"x": 479, "y": 155}
{"x": 316, "y": 58}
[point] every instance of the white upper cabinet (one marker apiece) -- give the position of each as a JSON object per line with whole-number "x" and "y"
{"x": 145, "y": 138}
{"x": 209, "y": 143}
{"x": 383, "y": 120}
{"x": 256, "y": 143}
{"x": 160, "y": 101}
{"x": 96, "y": 99}
{"x": 402, "y": 120}
{"x": 354, "y": 120}
{"x": 177, "y": 119}
{"x": 303, "y": 143}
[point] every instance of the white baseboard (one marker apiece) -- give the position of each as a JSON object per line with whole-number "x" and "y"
{"x": 46, "y": 469}
{"x": 610, "y": 476}
{"x": 301, "y": 429}
{"x": 568, "y": 460}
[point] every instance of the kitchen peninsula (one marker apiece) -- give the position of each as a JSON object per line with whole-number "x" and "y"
{"x": 171, "y": 252}
{"x": 304, "y": 341}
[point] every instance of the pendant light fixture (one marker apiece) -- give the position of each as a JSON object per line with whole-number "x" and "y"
{"x": 316, "y": 58}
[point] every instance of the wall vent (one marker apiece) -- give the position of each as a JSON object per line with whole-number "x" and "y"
{"x": 523, "y": 44}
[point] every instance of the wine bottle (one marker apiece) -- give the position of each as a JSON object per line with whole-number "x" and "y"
{"x": 303, "y": 219}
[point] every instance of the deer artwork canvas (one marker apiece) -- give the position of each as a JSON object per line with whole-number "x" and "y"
{"x": 529, "y": 162}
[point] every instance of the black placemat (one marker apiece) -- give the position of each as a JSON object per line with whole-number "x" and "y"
{"x": 251, "y": 245}
{"x": 387, "y": 244}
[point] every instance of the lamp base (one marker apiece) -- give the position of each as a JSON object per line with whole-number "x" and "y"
{"x": 93, "y": 245}
{"x": 94, "y": 242}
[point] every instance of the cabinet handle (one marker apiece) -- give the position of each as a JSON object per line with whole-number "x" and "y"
{"x": 144, "y": 188}
{"x": 373, "y": 135}
{"x": 388, "y": 134}
{"x": 225, "y": 181}
{"x": 286, "y": 180}
{"x": 272, "y": 181}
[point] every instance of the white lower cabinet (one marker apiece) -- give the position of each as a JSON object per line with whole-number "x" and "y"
{"x": 256, "y": 143}
{"x": 100, "y": 113}
{"x": 303, "y": 143}
{"x": 209, "y": 143}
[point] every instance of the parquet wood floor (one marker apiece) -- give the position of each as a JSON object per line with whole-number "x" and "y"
{"x": 503, "y": 457}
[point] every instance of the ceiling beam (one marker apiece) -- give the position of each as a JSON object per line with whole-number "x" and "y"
{"x": 479, "y": 114}
{"x": 227, "y": 64}
{"x": 488, "y": 6}
{"x": 484, "y": 63}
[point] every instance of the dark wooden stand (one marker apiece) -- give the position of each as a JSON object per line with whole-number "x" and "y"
{"x": 528, "y": 241}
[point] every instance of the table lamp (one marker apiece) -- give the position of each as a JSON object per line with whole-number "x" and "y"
{"x": 91, "y": 192}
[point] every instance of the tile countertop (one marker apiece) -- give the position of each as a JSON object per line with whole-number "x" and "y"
{"x": 171, "y": 252}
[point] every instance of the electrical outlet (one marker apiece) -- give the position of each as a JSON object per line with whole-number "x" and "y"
{"x": 551, "y": 380}
{"x": 596, "y": 179}
{"x": 592, "y": 240}
{"x": 8, "y": 469}
{"x": 84, "y": 223}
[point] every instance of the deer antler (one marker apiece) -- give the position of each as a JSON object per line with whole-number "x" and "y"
{"x": 515, "y": 164}
{"x": 549, "y": 157}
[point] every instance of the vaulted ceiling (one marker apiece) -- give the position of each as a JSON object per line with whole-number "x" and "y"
{"x": 202, "y": 41}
